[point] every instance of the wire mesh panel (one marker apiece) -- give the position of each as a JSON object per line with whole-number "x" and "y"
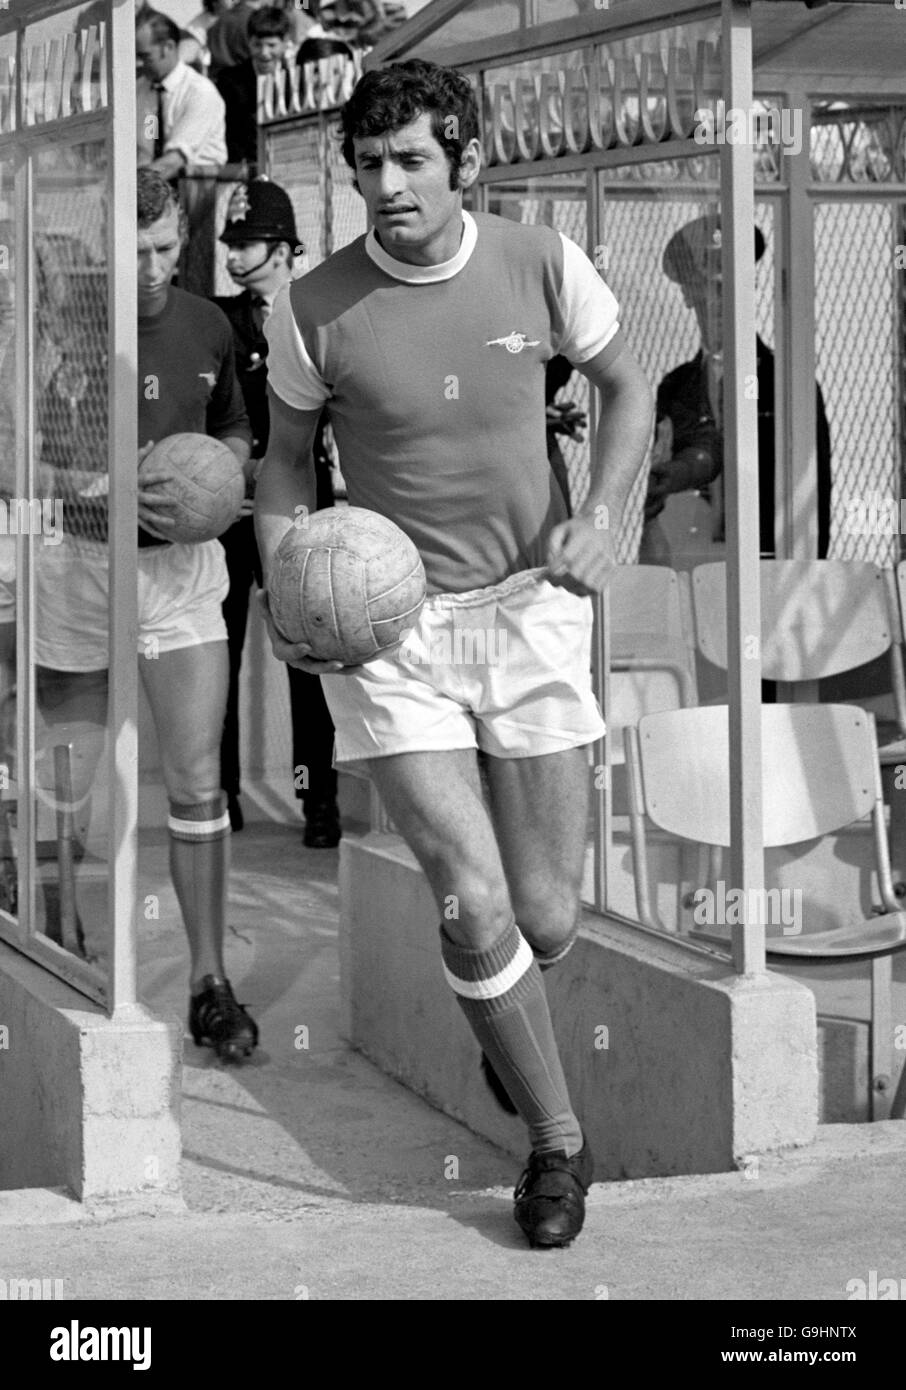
{"x": 56, "y": 141}
{"x": 559, "y": 202}
{"x": 71, "y": 408}
{"x": 306, "y": 160}
{"x": 9, "y": 889}
{"x": 859, "y": 366}
{"x": 663, "y": 327}
{"x": 346, "y": 207}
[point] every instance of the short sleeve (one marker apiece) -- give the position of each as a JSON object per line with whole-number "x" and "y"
{"x": 591, "y": 314}
{"x": 290, "y": 370}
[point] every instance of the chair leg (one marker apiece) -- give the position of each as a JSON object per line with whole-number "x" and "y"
{"x": 898, "y": 1104}
{"x": 70, "y": 927}
{"x": 881, "y": 1052}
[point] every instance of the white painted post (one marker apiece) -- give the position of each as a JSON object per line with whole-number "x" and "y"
{"x": 741, "y": 483}
{"x": 122, "y": 451}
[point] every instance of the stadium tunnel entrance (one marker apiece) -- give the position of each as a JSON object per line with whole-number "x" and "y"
{"x": 634, "y": 129}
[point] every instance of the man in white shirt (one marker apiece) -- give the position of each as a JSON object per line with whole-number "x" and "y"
{"x": 181, "y": 115}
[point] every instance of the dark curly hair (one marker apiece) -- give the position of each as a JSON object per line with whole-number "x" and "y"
{"x": 388, "y": 98}
{"x": 155, "y": 197}
{"x": 270, "y": 22}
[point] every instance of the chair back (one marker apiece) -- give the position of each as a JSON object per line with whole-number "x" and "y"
{"x": 651, "y": 651}
{"x": 901, "y": 591}
{"x": 818, "y": 617}
{"x": 819, "y": 771}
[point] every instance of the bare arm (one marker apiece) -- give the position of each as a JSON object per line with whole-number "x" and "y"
{"x": 624, "y": 429}
{"x": 285, "y": 495}
{"x": 169, "y": 165}
{"x": 285, "y": 491}
{"x": 582, "y": 551}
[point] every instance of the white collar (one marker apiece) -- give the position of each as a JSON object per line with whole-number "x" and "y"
{"x": 174, "y": 76}
{"x": 425, "y": 274}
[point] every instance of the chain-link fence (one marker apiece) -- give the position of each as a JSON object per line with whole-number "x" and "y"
{"x": 307, "y": 160}
{"x": 71, "y": 336}
{"x": 859, "y": 366}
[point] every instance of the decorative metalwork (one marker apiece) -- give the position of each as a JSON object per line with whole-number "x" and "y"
{"x": 618, "y": 99}
{"x": 64, "y": 77}
{"x": 864, "y": 144}
{"x": 301, "y": 89}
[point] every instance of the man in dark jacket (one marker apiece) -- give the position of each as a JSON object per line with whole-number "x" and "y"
{"x": 689, "y": 449}
{"x": 263, "y": 244}
{"x": 268, "y": 32}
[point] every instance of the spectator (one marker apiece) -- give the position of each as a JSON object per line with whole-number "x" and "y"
{"x": 263, "y": 244}
{"x": 228, "y": 42}
{"x": 203, "y": 21}
{"x": 268, "y": 31}
{"x": 181, "y": 115}
{"x": 189, "y": 45}
{"x": 361, "y": 23}
{"x": 689, "y": 447}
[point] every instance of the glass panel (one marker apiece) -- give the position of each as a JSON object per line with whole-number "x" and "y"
{"x": 858, "y": 143}
{"x": 8, "y": 490}
{"x": 64, "y": 63}
{"x": 70, "y": 553}
{"x": 559, "y": 202}
{"x": 307, "y": 160}
{"x": 645, "y": 89}
{"x": 662, "y": 251}
{"x": 858, "y": 327}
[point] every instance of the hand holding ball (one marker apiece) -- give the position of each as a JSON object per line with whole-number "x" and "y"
{"x": 346, "y": 581}
{"x": 204, "y": 488}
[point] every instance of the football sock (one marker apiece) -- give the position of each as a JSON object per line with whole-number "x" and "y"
{"x": 199, "y": 863}
{"x": 501, "y": 993}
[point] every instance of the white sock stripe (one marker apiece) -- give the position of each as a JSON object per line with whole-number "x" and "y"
{"x": 556, "y": 956}
{"x": 198, "y": 829}
{"x": 498, "y": 984}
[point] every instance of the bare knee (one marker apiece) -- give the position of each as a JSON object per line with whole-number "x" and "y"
{"x": 191, "y": 781}
{"x": 473, "y": 901}
{"x": 547, "y": 917}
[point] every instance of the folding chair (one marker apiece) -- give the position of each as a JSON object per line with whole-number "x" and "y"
{"x": 652, "y": 661}
{"x": 652, "y": 667}
{"x": 820, "y": 775}
{"x": 818, "y": 619}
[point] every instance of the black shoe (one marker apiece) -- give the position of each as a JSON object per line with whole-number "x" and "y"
{"x": 237, "y": 820}
{"x": 496, "y": 1086}
{"x": 322, "y": 826}
{"x": 550, "y": 1197}
{"x": 217, "y": 1020}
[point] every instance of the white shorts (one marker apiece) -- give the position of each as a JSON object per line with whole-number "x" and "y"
{"x": 180, "y": 590}
{"x": 506, "y": 669}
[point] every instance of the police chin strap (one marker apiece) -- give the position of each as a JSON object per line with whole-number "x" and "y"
{"x": 244, "y": 274}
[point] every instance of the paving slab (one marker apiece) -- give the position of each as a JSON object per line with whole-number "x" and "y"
{"x": 310, "y": 1175}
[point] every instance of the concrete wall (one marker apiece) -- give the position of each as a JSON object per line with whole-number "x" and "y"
{"x": 674, "y": 1064}
{"x": 89, "y": 1103}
